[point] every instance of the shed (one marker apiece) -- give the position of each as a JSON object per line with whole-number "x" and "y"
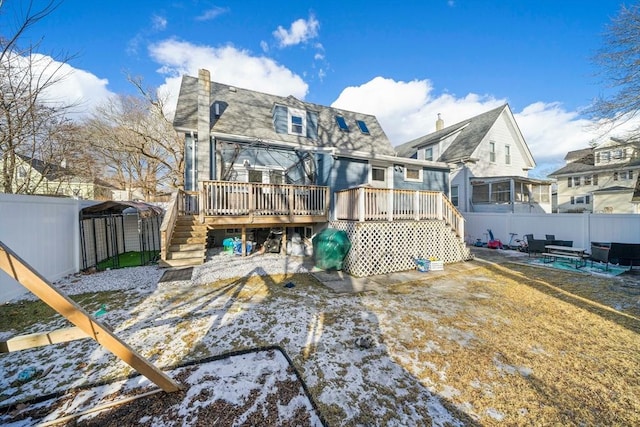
{"x": 113, "y": 228}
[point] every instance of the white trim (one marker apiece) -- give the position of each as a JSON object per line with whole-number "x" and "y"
{"x": 291, "y": 112}
{"x": 420, "y": 174}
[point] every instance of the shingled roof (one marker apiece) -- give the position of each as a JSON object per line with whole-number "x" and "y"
{"x": 470, "y": 134}
{"x": 584, "y": 155}
{"x": 249, "y": 114}
{"x": 578, "y": 167}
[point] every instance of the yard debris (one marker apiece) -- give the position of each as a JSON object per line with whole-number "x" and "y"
{"x": 289, "y": 285}
{"x": 365, "y": 342}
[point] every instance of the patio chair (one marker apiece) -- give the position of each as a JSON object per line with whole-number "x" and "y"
{"x": 536, "y": 245}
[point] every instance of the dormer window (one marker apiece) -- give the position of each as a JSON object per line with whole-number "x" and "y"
{"x": 297, "y": 121}
{"x": 428, "y": 153}
{"x": 342, "y": 124}
{"x": 294, "y": 121}
{"x": 296, "y": 125}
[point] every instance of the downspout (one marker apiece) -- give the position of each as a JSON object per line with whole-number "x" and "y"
{"x": 467, "y": 193}
{"x": 194, "y": 160}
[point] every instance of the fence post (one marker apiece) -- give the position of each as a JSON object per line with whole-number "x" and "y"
{"x": 361, "y": 204}
{"x": 439, "y": 206}
{"x": 390, "y": 196}
{"x": 416, "y": 205}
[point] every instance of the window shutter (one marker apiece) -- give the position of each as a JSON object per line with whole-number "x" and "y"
{"x": 280, "y": 119}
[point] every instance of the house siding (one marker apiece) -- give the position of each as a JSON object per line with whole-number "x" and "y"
{"x": 501, "y": 133}
{"x": 347, "y": 173}
{"x": 618, "y": 202}
{"x": 432, "y": 180}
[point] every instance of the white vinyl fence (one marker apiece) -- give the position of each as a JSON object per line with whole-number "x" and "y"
{"x": 44, "y": 232}
{"x": 582, "y": 229}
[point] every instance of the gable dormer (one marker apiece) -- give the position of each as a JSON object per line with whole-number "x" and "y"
{"x": 615, "y": 151}
{"x": 295, "y": 121}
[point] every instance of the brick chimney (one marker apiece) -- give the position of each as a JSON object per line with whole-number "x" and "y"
{"x": 204, "y": 126}
{"x": 439, "y": 123}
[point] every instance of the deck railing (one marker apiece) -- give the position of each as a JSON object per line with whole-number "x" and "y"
{"x": 247, "y": 198}
{"x": 381, "y": 204}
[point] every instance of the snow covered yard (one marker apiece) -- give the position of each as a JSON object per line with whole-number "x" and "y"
{"x": 488, "y": 345}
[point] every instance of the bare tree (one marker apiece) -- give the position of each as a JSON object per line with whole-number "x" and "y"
{"x": 135, "y": 141}
{"x": 619, "y": 66}
{"x": 32, "y": 124}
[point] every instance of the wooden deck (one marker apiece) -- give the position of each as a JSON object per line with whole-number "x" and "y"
{"x": 227, "y": 204}
{"x": 241, "y": 203}
{"x": 380, "y": 204}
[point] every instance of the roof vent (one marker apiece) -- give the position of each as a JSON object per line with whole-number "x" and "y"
{"x": 216, "y": 109}
{"x": 232, "y": 89}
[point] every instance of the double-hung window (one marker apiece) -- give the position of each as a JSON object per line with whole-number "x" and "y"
{"x": 492, "y": 152}
{"x": 297, "y": 121}
{"x": 428, "y": 153}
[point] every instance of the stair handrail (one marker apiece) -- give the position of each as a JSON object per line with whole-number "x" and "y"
{"x": 168, "y": 224}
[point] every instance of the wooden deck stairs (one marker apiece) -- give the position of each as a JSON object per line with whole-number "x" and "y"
{"x": 188, "y": 243}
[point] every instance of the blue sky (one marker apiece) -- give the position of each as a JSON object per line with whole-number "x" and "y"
{"x": 402, "y": 61}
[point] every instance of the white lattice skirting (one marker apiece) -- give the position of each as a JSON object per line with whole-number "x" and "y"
{"x": 385, "y": 247}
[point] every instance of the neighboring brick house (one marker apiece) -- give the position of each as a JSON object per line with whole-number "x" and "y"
{"x": 491, "y": 162}
{"x": 601, "y": 179}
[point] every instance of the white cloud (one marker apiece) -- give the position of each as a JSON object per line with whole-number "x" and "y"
{"x": 158, "y": 23}
{"x": 300, "y": 31}
{"x": 227, "y": 64}
{"x": 407, "y": 110}
{"x": 264, "y": 46}
{"x": 212, "y": 13}
{"x": 75, "y": 87}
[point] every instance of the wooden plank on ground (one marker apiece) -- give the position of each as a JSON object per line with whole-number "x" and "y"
{"x": 28, "y": 277}
{"x": 24, "y": 342}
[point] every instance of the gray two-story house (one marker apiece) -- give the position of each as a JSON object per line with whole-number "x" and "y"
{"x": 256, "y": 162}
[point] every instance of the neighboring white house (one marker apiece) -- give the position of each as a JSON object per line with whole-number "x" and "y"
{"x": 490, "y": 163}
{"x": 601, "y": 179}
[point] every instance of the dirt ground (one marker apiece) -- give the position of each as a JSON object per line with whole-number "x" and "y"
{"x": 492, "y": 341}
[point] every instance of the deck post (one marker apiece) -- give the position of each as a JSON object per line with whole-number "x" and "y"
{"x": 327, "y": 204}
{"x": 243, "y": 248}
{"x": 361, "y": 204}
{"x": 201, "y": 201}
{"x": 283, "y": 242}
{"x": 439, "y": 203}
{"x": 291, "y": 201}
{"x": 416, "y": 205}
{"x": 390, "y": 196}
